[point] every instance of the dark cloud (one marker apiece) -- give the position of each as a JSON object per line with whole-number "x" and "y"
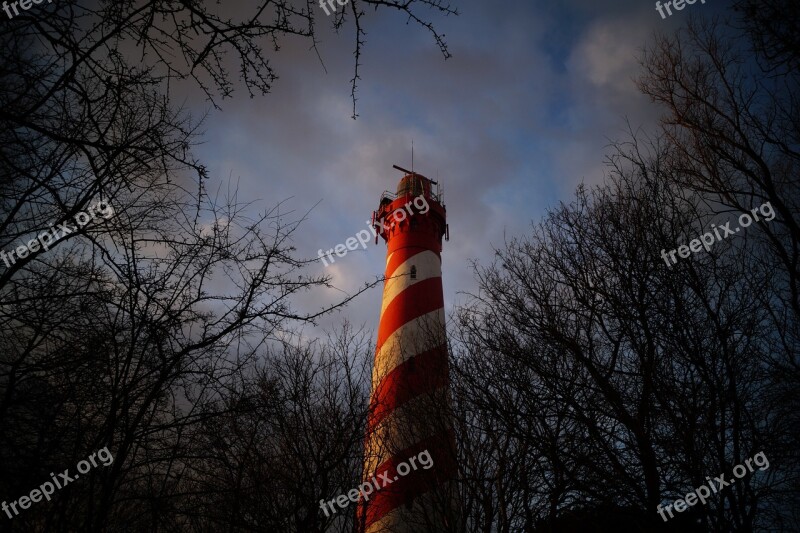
{"x": 518, "y": 117}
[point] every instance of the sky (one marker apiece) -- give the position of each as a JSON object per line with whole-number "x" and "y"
{"x": 520, "y": 115}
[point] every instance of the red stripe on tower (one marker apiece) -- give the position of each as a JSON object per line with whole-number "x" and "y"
{"x": 410, "y": 403}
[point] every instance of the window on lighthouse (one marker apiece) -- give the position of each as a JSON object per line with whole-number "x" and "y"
{"x": 413, "y": 272}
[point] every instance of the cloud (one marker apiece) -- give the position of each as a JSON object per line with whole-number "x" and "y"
{"x": 606, "y": 57}
{"x": 510, "y": 125}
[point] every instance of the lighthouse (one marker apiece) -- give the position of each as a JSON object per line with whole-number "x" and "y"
{"x": 409, "y": 416}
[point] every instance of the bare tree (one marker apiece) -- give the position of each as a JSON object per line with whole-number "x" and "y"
{"x": 735, "y": 128}
{"x": 294, "y": 438}
{"x": 730, "y": 100}
{"x": 134, "y": 331}
{"x": 624, "y": 381}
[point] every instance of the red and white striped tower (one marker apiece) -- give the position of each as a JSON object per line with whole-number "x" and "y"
{"x": 409, "y": 403}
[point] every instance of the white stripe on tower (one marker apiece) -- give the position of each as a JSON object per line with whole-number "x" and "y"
{"x": 428, "y": 264}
